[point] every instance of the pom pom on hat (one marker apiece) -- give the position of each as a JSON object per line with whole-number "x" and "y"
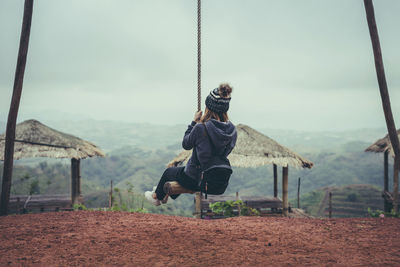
{"x": 219, "y": 98}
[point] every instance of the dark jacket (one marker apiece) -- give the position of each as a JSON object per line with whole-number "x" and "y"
{"x": 210, "y": 148}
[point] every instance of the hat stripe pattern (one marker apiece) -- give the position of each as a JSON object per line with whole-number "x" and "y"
{"x": 216, "y": 103}
{"x": 215, "y": 94}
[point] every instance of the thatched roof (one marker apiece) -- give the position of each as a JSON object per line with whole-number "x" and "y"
{"x": 254, "y": 149}
{"x": 33, "y": 139}
{"x": 382, "y": 145}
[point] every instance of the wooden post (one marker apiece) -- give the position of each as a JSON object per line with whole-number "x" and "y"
{"x": 110, "y": 197}
{"x": 13, "y": 112}
{"x": 298, "y": 194}
{"x": 275, "y": 181}
{"x": 387, "y": 110}
{"x": 330, "y": 204}
{"x": 18, "y": 205}
{"x": 237, "y": 198}
{"x": 396, "y": 167}
{"x": 75, "y": 183}
{"x": 285, "y": 202}
{"x": 386, "y": 204}
{"x": 78, "y": 181}
{"x": 198, "y": 214}
{"x": 386, "y": 171}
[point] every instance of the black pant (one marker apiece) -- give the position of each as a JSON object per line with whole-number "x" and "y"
{"x": 178, "y": 175}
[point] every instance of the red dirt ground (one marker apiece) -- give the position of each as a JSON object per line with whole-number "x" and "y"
{"x": 94, "y": 238}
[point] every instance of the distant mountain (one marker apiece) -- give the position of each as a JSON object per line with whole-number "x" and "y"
{"x": 301, "y": 141}
{"x": 111, "y": 135}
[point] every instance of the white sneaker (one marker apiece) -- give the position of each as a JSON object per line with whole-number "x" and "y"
{"x": 149, "y": 196}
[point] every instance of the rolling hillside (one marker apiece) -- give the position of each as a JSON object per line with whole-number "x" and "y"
{"x": 347, "y": 201}
{"x": 137, "y": 155}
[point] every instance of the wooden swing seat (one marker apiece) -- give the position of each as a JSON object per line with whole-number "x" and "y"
{"x": 174, "y": 188}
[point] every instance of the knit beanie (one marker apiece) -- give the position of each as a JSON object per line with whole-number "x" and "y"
{"x": 217, "y": 103}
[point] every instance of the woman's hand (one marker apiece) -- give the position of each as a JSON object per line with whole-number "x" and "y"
{"x": 197, "y": 116}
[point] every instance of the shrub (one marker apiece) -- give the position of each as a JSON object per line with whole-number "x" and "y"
{"x": 34, "y": 187}
{"x": 227, "y": 208}
{"x": 79, "y": 207}
{"x": 379, "y": 213}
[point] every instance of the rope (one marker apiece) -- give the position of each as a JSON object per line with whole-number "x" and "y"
{"x": 198, "y": 194}
{"x": 198, "y": 55}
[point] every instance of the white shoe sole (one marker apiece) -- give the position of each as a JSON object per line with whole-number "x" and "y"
{"x": 149, "y": 196}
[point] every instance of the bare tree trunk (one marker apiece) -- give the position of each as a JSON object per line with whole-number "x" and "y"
{"x": 380, "y": 72}
{"x": 13, "y": 113}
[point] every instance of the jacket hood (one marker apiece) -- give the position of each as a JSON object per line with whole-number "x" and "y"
{"x": 223, "y": 136}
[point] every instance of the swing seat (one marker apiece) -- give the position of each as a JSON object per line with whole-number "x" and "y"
{"x": 174, "y": 188}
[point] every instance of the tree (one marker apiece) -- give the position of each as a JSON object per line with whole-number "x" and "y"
{"x": 380, "y": 73}
{"x": 13, "y": 113}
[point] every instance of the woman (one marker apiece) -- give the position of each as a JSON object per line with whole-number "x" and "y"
{"x": 212, "y": 137}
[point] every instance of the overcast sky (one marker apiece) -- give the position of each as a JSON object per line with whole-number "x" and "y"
{"x": 305, "y": 65}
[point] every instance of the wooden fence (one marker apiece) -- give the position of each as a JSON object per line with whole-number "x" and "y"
{"x": 38, "y": 203}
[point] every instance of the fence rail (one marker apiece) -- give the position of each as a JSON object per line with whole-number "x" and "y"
{"x": 38, "y": 203}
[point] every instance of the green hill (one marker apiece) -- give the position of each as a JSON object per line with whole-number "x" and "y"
{"x": 137, "y": 155}
{"x": 347, "y": 201}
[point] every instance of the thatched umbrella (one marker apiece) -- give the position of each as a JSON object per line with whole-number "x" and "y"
{"x": 255, "y": 149}
{"x": 34, "y": 139}
{"x": 384, "y": 146}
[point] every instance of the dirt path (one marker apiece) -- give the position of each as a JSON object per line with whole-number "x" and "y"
{"x": 323, "y": 203}
{"x": 89, "y": 238}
